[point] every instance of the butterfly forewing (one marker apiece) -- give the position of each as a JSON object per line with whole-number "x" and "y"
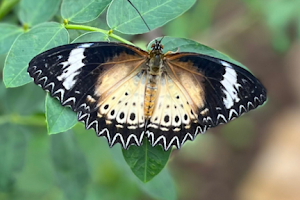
{"x": 227, "y": 90}
{"x": 103, "y": 82}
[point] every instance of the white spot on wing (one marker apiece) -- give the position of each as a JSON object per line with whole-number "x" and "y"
{"x": 230, "y": 83}
{"x": 75, "y": 63}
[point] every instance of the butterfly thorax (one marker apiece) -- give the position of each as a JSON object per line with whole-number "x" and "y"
{"x": 154, "y": 71}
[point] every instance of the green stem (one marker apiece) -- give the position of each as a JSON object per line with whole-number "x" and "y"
{"x": 23, "y": 120}
{"x": 89, "y": 28}
{"x": 6, "y": 6}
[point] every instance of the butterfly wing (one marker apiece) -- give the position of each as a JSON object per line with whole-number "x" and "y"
{"x": 199, "y": 92}
{"x": 103, "y": 82}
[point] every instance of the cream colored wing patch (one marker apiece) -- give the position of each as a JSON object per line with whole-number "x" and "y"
{"x": 125, "y": 105}
{"x": 173, "y": 120}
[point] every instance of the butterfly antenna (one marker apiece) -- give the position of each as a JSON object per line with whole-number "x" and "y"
{"x": 161, "y": 39}
{"x": 139, "y": 14}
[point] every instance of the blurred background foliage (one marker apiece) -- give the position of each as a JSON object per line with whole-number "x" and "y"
{"x": 256, "y": 157}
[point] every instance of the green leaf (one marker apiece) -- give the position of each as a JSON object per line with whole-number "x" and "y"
{"x": 34, "y": 12}
{"x": 70, "y": 166}
{"x": 146, "y": 161}
{"x": 12, "y": 154}
{"x": 186, "y": 45}
{"x": 24, "y": 100}
{"x": 82, "y": 11}
{"x": 28, "y": 45}
{"x": 121, "y": 16}
{"x": 91, "y": 37}
{"x": 37, "y": 176}
{"x": 8, "y": 34}
{"x": 59, "y": 119}
{"x": 161, "y": 187}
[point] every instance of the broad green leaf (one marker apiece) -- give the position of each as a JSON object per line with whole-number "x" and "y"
{"x": 37, "y": 176}
{"x": 59, "y": 118}
{"x": 8, "y": 34}
{"x": 161, "y": 187}
{"x": 91, "y": 37}
{"x": 12, "y": 154}
{"x": 33, "y": 12}
{"x": 24, "y": 100}
{"x": 186, "y": 45}
{"x": 146, "y": 161}
{"x": 71, "y": 168}
{"x": 121, "y": 16}
{"x": 28, "y": 45}
{"x": 82, "y": 11}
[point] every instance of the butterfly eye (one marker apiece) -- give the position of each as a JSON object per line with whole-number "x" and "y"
{"x": 161, "y": 46}
{"x": 153, "y": 45}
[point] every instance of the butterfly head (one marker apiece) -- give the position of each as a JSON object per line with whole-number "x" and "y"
{"x": 157, "y": 46}
{"x": 156, "y": 58}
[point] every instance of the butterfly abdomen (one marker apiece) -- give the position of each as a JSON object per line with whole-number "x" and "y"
{"x": 150, "y": 95}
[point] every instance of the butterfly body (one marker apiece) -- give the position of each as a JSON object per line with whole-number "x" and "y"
{"x": 125, "y": 93}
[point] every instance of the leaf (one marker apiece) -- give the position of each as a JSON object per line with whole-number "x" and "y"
{"x": 91, "y": 37}
{"x": 70, "y": 166}
{"x": 28, "y": 45}
{"x": 12, "y": 154}
{"x": 34, "y": 12}
{"x": 8, "y": 34}
{"x": 59, "y": 119}
{"x": 121, "y": 16}
{"x": 24, "y": 100}
{"x": 82, "y": 11}
{"x": 146, "y": 161}
{"x": 186, "y": 45}
{"x": 38, "y": 174}
{"x": 161, "y": 187}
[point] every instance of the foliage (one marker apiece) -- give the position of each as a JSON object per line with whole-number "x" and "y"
{"x": 76, "y": 164}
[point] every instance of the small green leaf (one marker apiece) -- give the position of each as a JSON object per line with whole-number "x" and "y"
{"x": 8, "y": 34}
{"x": 121, "y": 16}
{"x": 12, "y": 153}
{"x": 82, "y": 11}
{"x": 59, "y": 119}
{"x": 91, "y": 37}
{"x": 34, "y": 12}
{"x": 70, "y": 166}
{"x": 186, "y": 45}
{"x": 146, "y": 161}
{"x": 28, "y": 45}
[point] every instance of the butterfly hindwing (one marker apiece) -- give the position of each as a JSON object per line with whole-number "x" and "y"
{"x": 173, "y": 120}
{"x": 96, "y": 80}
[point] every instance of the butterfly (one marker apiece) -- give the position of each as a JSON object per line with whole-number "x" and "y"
{"x": 125, "y": 93}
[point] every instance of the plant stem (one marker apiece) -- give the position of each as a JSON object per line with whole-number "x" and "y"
{"x": 90, "y": 28}
{"x": 6, "y": 6}
{"x": 23, "y": 120}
